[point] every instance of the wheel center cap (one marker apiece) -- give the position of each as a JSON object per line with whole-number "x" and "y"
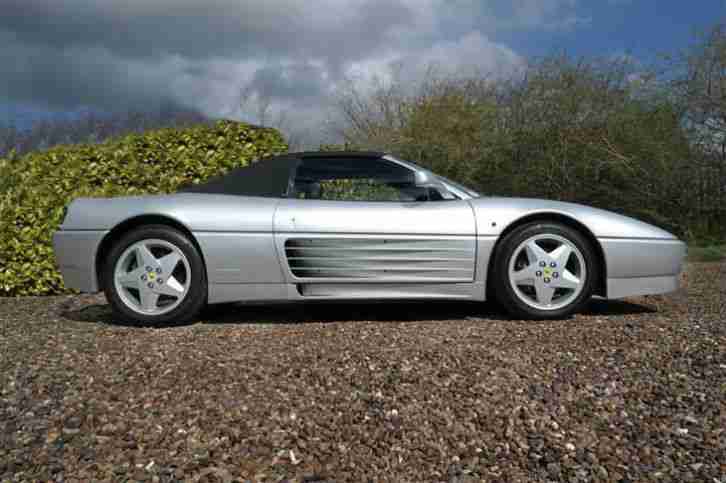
{"x": 547, "y": 271}
{"x": 152, "y": 276}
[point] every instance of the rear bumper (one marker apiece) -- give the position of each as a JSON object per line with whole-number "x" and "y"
{"x": 75, "y": 253}
{"x": 642, "y": 266}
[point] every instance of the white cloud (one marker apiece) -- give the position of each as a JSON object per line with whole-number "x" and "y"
{"x": 472, "y": 53}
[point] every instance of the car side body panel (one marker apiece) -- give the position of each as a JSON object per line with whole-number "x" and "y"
{"x": 245, "y": 242}
{"x": 234, "y": 234}
{"x": 197, "y": 212}
{"x": 445, "y": 218}
{"x": 639, "y": 258}
{"x": 495, "y": 214}
{"x": 376, "y": 242}
{"x": 75, "y": 253}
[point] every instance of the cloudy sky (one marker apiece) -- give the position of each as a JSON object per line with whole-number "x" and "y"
{"x": 65, "y": 55}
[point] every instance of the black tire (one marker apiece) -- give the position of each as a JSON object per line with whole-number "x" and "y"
{"x": 195, "y": 299}
{"x": 503, "y": 290}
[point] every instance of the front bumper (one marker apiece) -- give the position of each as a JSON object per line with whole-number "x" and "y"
{"x": 632, "y": 287}
{"x": 642, "y": 266}
{"x": 75, "y": 253}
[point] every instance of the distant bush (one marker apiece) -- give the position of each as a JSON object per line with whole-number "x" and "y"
{"x": 35, "y": 188}
{"x": 710, "y": 253}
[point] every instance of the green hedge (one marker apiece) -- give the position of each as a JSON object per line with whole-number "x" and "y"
{"x": 35, "y": 188}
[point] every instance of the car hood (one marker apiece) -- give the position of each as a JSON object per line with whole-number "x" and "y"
{"x": 495, "y": 214}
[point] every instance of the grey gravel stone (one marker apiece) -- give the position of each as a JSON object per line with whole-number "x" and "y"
{"x": 379, "y": 392}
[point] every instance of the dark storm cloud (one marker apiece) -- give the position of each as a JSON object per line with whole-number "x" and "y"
{"x": 65, "y": 79}
{"x": 227, "y": 58}
{"x": 296, "y": 81}
{"x": 113, "y": 53}
{"x": 204, "y": 28}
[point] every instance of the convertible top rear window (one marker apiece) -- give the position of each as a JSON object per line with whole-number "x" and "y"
{"x": 268, "y": 177}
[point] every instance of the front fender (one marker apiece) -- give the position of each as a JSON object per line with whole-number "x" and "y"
{"x": 495, "y": 215}
{"x": 638, "y": 258}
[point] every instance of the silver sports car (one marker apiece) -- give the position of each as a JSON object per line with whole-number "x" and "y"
{"x": 353, "y": 225}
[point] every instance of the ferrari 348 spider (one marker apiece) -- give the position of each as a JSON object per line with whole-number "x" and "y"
{"x": 352, "y": 226}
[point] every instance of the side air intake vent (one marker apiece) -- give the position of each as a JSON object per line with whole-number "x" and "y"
{"x": 409, "y": 259}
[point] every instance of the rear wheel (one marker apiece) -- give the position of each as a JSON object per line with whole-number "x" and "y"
{"x": 544, "y": 270}
{"x": 155, "y": 275}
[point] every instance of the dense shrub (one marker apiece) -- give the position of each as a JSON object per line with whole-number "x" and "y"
{"x": 34, "y": 189}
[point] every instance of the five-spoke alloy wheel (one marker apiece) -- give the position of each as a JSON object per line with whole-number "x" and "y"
{"x": 152, "y": 285}
{"x": 544, "y": 270}
{"x": 155, "y": 275}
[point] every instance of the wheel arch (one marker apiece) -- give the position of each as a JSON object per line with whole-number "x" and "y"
{"x": 551, "y": 216}
{"x": 135, "y": 222}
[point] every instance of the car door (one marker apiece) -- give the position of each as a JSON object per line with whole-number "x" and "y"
{"x": 367, "y": 236}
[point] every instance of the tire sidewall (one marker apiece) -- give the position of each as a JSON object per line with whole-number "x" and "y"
{"x": 195, "y": 298}
{"x": 505, "y": 293}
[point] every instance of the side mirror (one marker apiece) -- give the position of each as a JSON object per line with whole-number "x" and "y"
{"x": 426, "y": 179}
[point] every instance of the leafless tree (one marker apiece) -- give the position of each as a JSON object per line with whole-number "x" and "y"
{"x": 699, "y": 84}
{"x": 258, "y": 108}
{"x": 91, "y": 127}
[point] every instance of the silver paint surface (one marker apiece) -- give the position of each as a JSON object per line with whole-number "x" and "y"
{"x": 237, "y": 258}
{"x": 243, "y": 242}
{"x": 494, "y": 215}
{"x": 75, "y": 254}
{"x": 642, "y": 258}
{"x": 391, "y": 218}
{"x": 632, "y": 287}
{"x": 465, "y": 291}
{"x": 197, "y": 212}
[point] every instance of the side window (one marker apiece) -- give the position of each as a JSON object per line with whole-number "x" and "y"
{"x": 358, "y": 189}
{"x": 356, "y": 179}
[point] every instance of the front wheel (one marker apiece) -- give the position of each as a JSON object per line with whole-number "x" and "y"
{"x": 544, "y": 270}
{"x": 154, "y": 275}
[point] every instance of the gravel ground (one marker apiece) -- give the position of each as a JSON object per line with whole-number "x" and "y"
{"x": 628, "y": 391}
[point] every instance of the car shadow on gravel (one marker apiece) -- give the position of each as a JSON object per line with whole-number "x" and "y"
{"x": 617, "y": 307}
{"x": 317, "y": 312}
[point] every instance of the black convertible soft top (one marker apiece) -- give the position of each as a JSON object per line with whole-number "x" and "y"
{"x": 268, "y": 177}
{"x": 272, "y": 176}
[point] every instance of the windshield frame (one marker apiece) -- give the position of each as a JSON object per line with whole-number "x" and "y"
{"x": 455, "y": 188}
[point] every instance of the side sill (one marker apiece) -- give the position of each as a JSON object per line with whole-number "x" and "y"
{"x": 389, "y": 291}
{"x": 219, "y": 293}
